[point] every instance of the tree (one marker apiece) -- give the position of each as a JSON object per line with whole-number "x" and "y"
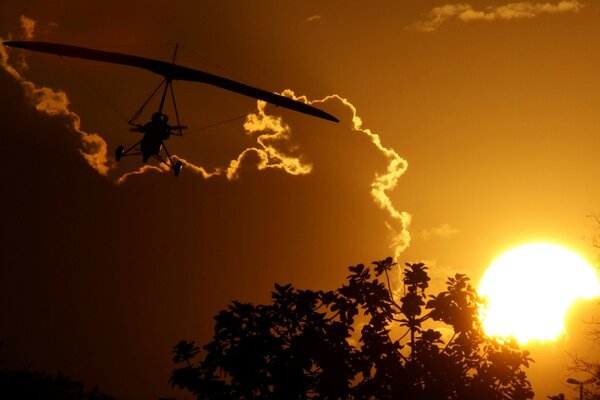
{"x": 360, "y": 341}
{"x": 23, "y": 384}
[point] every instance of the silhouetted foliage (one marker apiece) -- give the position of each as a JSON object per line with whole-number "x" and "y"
{"x": 360, "y": 341}
{"x": 27, "y": 385}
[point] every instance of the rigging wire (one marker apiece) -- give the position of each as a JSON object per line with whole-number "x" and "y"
{"x": 231, "y": 74}
{"x": 215, "y": 124}
{"x": 114, "y": 108}
{"x": 139, "y": 112}
{"x": 207, "y": 60}
{"x": 179, "y": 127}
{"x": 141, "y": 109}
{"x": 104, "y": 98}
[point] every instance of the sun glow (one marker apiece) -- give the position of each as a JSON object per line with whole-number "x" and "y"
{"x": 529, "y": 289}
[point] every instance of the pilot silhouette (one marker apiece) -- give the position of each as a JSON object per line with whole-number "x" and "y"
{"x": 154, "y": 132}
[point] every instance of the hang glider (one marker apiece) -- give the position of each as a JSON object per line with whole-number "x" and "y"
{"x": 157, "y": 130}
{"x": 171, "y": 72}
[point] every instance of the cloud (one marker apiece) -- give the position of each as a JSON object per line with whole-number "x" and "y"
{"x": 444, "y": 230}
{"x": 314, "y": 18}
{"x": 28, "y": 27}
{"x": 466, "y": 13}
{"x": 382, "y": 184}
{"x": 272, "y": 138}
{"x": 274, "y": 151}
{"x": 164, "y": 168}
{"x": 56, "y": 103}
{"x": 142, "y": 170}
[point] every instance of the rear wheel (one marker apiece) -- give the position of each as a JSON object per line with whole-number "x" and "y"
{"x": 177, "y": 168}
{"x": 119, "y": 153}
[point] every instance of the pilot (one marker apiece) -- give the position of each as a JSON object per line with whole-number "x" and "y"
{"x": 154, "y": 132}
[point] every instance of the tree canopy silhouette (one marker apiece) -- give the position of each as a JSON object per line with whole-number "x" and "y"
{"x": 360, "y": 341}
{"x": 23, "y": 384}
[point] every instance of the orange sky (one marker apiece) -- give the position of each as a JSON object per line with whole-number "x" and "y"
{"x": 493, "y": 107}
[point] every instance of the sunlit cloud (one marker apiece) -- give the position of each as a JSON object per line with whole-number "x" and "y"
{"x": 273, "y": 151}
{"x": 272, "y": 138}
{"x": 198, "y": 170}
{"x": 467, "y": 13}
{"x": 314, "y": 18}
{"x": 443, "y": 230}
{"x": 273, "y": 148}
{"x": 382, "y": 184}
{"x": 189, "y": 167}
{"x": 56, "y": 103}
{"x": 28, "y": 27}
{"x": 142, "y": 170}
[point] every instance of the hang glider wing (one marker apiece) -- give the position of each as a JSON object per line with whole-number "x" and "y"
{"x": 172, "y": 72}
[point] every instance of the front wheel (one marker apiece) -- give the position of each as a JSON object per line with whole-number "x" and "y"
{"x": 177, "y": 168}
{"x": 119, "y": 153}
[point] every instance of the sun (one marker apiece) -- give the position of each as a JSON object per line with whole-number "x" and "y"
{"x": 529, "y": 289}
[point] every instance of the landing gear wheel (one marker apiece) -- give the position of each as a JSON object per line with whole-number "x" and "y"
{"x": 177, "y": 168}
{"x": 119, "y": 153}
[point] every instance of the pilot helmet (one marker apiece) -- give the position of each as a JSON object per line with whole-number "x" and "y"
{"x": 159, "y": 117}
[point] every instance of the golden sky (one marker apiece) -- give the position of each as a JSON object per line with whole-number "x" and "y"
{"x": 480, "y": 131}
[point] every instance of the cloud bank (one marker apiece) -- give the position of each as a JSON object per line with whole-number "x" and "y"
{"x": 271, "y": 152}
{"x": 382, "y": 184}
{"x": 56, "y": 103}
{"x": 272, "y": 149}
{"x": 272, "y": 136}
{"x": 466, "y": 13}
